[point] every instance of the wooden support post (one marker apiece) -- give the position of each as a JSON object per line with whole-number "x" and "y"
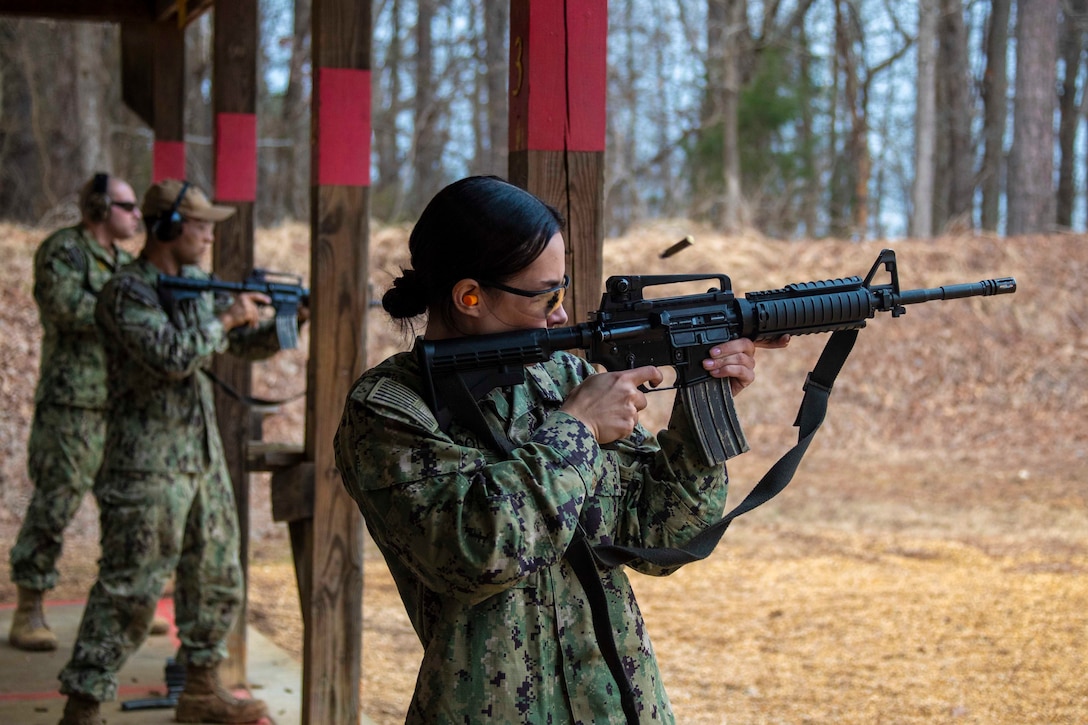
{"x": 168, "y": 101}
{"x": 234, "y": 103}
{"x": 558, "y": 68}
{"x": 153, "y": 86}
{"x": 328, "y": 546}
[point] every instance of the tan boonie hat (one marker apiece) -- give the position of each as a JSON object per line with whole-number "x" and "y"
{"x": 161, "y": 197}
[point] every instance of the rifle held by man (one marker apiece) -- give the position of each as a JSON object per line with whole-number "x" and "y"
{"x": 284, "y": 290}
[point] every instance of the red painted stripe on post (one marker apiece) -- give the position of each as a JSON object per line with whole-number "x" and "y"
{"x": 538, "y": 94}
{"x": 342, "y": 155}
{"x": 167, "y": 161}
{"x": 558, "y": 75}
{"x": 236, "y": 157}
{"x": 587, "y": 73}
{"x": 517, "y": 107}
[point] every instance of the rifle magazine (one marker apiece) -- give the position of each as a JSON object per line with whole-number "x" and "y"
{"x": 287, "y": 331}
{"x": 713, "y": 417}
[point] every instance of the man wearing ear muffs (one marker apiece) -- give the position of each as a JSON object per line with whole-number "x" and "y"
{"x": 64, "y": 449}
{"x": 167, "y": 505}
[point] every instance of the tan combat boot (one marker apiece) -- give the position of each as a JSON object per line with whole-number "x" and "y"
{"x": 81, "y": 710}
{"x": 204, "y": 699}
{"x": 159, "y": 626}
{"x": 28, "y": 628}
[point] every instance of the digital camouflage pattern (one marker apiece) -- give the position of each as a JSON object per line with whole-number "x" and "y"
{"x": 167, "y": 506}
{"x": 476, "y": 541}
{"x": 66, "y": 436}
{"x": 63, "y": 454}
{"x": 70, "y": 270}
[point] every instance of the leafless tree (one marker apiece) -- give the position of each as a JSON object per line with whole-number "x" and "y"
{"x": 1031, "y": 159}
{"x": 1072, "y": 109}
{"x": 995, "y": 88}
{"x": 925, "y": 121}
{"x": 954, "y": 192}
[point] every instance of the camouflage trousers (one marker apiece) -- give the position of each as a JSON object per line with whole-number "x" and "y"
{"x": 64, "y": 452}
{"x": 154, "y": 525}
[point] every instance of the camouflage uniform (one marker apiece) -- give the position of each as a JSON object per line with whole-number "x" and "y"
{"x": 476, "y": 542}
{"x": 165, "y": 495}
{"x": 65, "y": 446}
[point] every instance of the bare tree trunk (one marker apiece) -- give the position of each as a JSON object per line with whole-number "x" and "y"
{"x": 852, "y": 180}
{"x": 839, "y": 178}
{"x": 388, "y": 197}
{"x": 296, "y": 117}
{"x": 733, "y": 213}
{"x": 812, "y": 190}
{"x": 953, "y": 201}
{"x": 925, "y": 128}
{"x": 199, "y": 161}
{"x": 664, "y": 181}
{"x": 48, "y": 134}
{"x": 855, "y": 91}
{"x": 995, "y": 87}
{"x": 496, "y": 58}
{"x": 629, "y": 200}
{"x": 1031, "y": 159}
{"x": 706, "y": 181}
{"x": 90, "y": 90}
{"x": 1072, "y": 51}
{"x": 425, "y": 162}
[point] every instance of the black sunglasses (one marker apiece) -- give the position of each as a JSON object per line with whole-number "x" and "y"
{"x": 557, "y": 292}
{"x": 129, "y": 206}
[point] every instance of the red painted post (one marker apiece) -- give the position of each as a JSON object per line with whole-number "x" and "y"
{"x": 558, "y": 76}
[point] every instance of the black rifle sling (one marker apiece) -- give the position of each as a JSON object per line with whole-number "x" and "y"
{"x": 249, "y": 400}
{"x": 465, "y": 409}
{"x": 809, "y": 418}
{"x": 580, "y": 557}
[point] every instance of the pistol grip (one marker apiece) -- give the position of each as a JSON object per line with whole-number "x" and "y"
{"x": 713, "y": 416}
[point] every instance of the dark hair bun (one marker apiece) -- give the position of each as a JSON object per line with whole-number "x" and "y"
{"x": 407, "y": 297}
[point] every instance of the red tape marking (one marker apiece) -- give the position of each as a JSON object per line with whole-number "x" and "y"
{"x": 236, "y": 157}
{"x": 342, "y": 156}
{"x": 168, "y": 161}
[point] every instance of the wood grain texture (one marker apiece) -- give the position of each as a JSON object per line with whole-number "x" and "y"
{"x": 332, "y": 575}
{"x": 234, "y": 90}
{"x": 573, "y": 182}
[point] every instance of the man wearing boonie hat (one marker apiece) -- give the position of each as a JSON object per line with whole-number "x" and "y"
{"x": 167, "y": 505}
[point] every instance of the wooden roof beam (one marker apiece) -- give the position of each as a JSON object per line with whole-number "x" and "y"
{"x": 105, "y": 11}
{"x": 167, "y": 9}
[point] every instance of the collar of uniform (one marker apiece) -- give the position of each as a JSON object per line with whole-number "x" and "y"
{"x": 98, "y": 252}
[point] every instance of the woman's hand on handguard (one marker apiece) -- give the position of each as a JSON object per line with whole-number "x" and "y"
{"x": 736, "y": 360}
{"x": 609, "y": 403}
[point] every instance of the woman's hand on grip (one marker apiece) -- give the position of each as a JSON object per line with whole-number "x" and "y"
{"x": 609, "y": 403}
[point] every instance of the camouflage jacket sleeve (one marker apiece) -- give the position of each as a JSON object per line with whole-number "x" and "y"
{"x": 170, "y": 346}
{"x": 61, "y": 289}
{"x": 70, "y": 269}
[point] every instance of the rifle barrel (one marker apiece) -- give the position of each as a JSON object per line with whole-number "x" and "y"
{"x": 985, "y": 288}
